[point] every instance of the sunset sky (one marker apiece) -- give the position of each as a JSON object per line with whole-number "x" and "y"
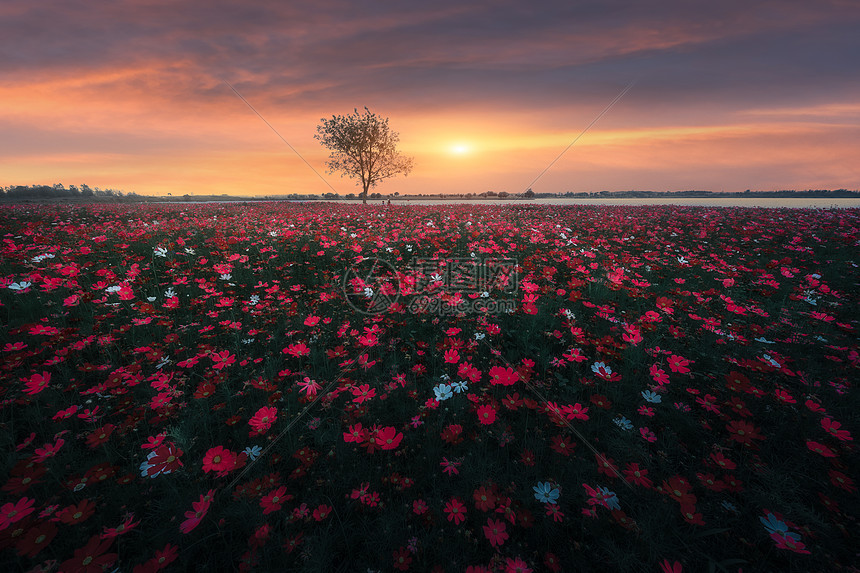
{"x": 728, "y": 95}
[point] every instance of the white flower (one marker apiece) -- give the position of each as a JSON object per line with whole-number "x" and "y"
{"x": 226, "y": 277}
{"x": 165, "y": 360}
{"x": 485, "y": 294}
{"x": 652, "y": 397}
{"x": 460, "y": 387}
{"x": 254, "y": 299}
{"x": 408, "y": 247}
{"x": 368, "y": 292}
{"x": 169, "y": 293}
{"x": 189, "y": 250}
{"x": 40, "y": 258}
{"x": 114, "y": 288}
{"x": 682, "y": 260}
{"x": 772, "y": 362}
{"x": 160, "y": 252}
{"x": 21, "y": 285}
{"x": 480, "y": 336}
{"x": 352, "y": 235}
{"x": 436, "y": 277}
{"x": 273, "y": 233}
{"x": 150, "y": 298}
{"x": 253, "y": 452}
{"x": 764, "y": 340}
{"x": 247, "y": 341}
{"x": 442, "y": 391}
{"x": 623, "y": 423}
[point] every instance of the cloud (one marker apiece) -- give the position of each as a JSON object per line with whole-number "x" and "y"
{"x": 143, "y": 78}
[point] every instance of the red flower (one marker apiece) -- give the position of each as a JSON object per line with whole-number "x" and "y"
{"x": 719, "y": 459}
{"x": 263, "y": 419}
{"x": 495, "y": 532}
{"x": 388, "y": 438}
{"x": 218, "y": 459}
{"x": 485, "y": 499}
{"x": 77, "y": 513}
{"x": 743, "y": 432}
{"x": 606, "y": 466}
{"x": 516, "y": 565}
{"x": 452, "y": 356}
{"x": 273, "y": 500}
{"x": 356, "y": 434}
{"x": 562, "y": 445}
{"x": 362, "y": 393}
{"x": 36, "y": 539}
{"x": 12, "y": 512}
{"x": 678, "y": 364}
{"x": 402, "y": 559}
{"x": 165, "y": 459}
{"x": 322, "y": 512}
{"x": 820, "y": 449}
{"x": 222, "y": 359}
{"x": 100, "y": 436}
{"x": 91, "y": 558}
{"x": 503, "y": 376}
{"x": 679, "y": 489}
{"x": 298, "y": 349}
{"x": 196, "y": 515}
{"x": 551, "y": 562}
{"x": 456, "y": 511}
{"x": 637, "y": 475}
{"x": 486, "y": 414}
{"x": 832, "y": 428}
{"x": 841, "y": 480}
{"x": 36, "y": 383}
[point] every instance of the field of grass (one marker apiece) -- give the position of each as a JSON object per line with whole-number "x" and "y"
{"x": 324, "y": 387}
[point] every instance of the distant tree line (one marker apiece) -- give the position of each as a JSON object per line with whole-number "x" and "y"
{"x": 85, "y": 193}
{"x": 59, "y": 191}
{"x": 808, "y": 193}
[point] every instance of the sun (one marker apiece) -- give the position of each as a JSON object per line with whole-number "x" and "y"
{"x": 460, "y": 148}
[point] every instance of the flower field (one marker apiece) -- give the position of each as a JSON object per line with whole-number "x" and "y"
{"x": 254, "y": 388}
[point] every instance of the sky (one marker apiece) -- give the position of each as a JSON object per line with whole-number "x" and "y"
{"x": 485, "y": 96}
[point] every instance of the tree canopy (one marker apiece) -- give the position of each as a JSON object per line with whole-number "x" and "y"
{"x": 363, "y": 147}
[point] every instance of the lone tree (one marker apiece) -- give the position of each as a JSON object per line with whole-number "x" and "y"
{"x": 362, "y": 147}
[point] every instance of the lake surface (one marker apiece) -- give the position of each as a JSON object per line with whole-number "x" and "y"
{"x": 772, "y": 203}
{"x": 776, "y": 202}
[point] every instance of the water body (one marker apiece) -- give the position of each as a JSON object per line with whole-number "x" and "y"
{"x": 768, "y": 202}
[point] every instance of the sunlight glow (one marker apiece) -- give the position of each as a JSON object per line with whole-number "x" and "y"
{"x": 460, "y": 148}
